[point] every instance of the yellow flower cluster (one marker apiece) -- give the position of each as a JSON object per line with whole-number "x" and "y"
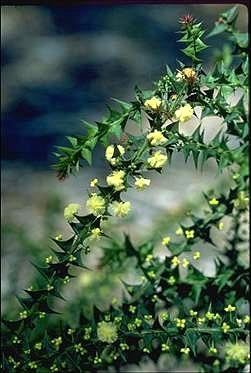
{"x": 180, "y": 323}
{"x": 157, "y": 160}
{"x": 107, "y": 332}
{"x": 175, "y": 261}
{"x": 70, "y": 211}
{"x": 153, "y": 104}
{"x": 156, "y": 138}
{"x": 179, "y": 231}
{"x": 196, "y": 255}
{"x": 94, "y": 182}
{"x": 116, "y": 180}
{"x": 95, "y": 234}
{"x": 141, "y": 183}
{"x": 121, "y": 209}
{"x": 166, "y": 240}
{"x": 95, "y": 205}
{"x": 214, "y": 202}
{"x": 188, "y": 73}
{"x": 230, "y": 308}
{"x": 184, "y": 113}
{"x": 109, "y": 153}
{"x": 185, "y": 350}
{"x": 237, "y": 352}
{"x": 189, "y": 233}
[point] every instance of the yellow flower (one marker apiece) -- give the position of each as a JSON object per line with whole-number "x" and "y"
{"x": 189, "y": 233}
{"x": 193, "y": 313}
{"x": 184, "y": 113}
{"x": 156, "y": 138}
{"x": 171, "y": 281}
{"x": 109, "y": 152}
{"x": 221, "y": 226}
{"x": 165, "y": 347}
{"x": 175, "y": 261}
{"x": 121, "y": 149}
{"x": 185, "y": 263}
{"x": 70, "y": 211}
{"x": 180, "y": 323}
{"x": 179, "y": 231}
{"x": 93, "y": 182}
{"x": 196, "y": 255}
{"x": 210, "y": 315}
{"x": 121, "y": 209}
{"x": 141, "y": 183}
{"x": 200, "y": 320}
{"x": 225, "y": 327}
{"x": 166, "y": 240}
{"x": 59, "y": 237}
{"x": 229, "y": 308}
{"x": 214, "y": 202}
{"x": 237, "y": 352}
{"x": 213, "y": 350}
{"x": 107, "y": 332}
{"x": 95, "y": 234}
{"x": 246, "y": 319}
{"x": 189, "y": 72}
{"x": 95, "y": 205}
{"x": 242, "y": 200}
{"x": 157, "y": 160}
{"x": 153, "y": 104}
{"x": 185, "y": 350}
{"x": 116, "y": 180}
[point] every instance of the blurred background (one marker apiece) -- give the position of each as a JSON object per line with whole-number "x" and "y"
{"x": 62, "y": 64}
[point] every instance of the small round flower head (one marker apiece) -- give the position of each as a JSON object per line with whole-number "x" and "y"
{"x": 59, "y": 237}
{"x": 141, "y": 183}
{"x": 185, "y": 350}
{"x": 189, "y": 233}
{"x": 180, "y": 323}
{"x": 116, "y": 180}
{"x": 185, "y": 263}
{"x": 95, "y": 205}
{"x": 175, "y": 261}
{"x": 184, "y": 113}
{"x": 213, "y": 350}
{"x": 246, "y": 319}
{"x": 186, "y": 20}
{"x": 107, "y": 332}
{"x": 120, "y": 209}
{"x": 189, "y": 73}
{"x": 242, "y": 201}
{"x": 171, "y": 280}
{"x": 201, "y": 320}
{"x": 193, "y": 313}
{"x": 166, "y": 240}
{"x": 109, "y": 153}
{"x": 210, "y": 315}
{"x": 23, "y": 315}
{"x": 213, "y": 202}
{"x": 165, "y": 347}
{"x": 157, "y": 160}
{"x": 132, "y": 308}
{"x": 153, "y": 104}
{"x": 230, "y": 308}
{"x": 196, "y": 255}
{"x": 237, "y": 352}
{"x": 156, "y": 138}
{"x": 70, "y": 211}
{"x": 94, "y": 182}
{"x": 38, "y": 346}
{"x": 221, "y": 226}
{"x": 225, "y": 327}
{"x": 95, "y": 234}
{"x": 32, "y": 365}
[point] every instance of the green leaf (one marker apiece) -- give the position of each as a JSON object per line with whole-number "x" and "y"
{"x": 191, "y": 338}
{"x": 218, "y": 29}
{"x": 87, "y": 155}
